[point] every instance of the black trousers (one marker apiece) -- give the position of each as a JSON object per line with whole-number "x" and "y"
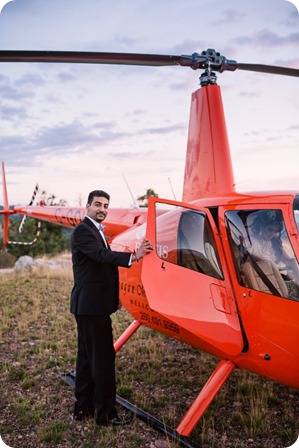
{"x": 95, "y": 387}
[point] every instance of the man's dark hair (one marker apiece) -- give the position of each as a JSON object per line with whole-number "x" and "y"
{"x": 97, "y": 193}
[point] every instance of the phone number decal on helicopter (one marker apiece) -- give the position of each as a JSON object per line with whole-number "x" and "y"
{"x": 166, "y": 324}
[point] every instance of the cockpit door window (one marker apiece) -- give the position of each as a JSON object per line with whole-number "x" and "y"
{"x": 262, "y": 252}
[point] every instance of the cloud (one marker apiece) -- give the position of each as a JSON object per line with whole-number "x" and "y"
{"x": 293, "y": 128}
{"x": 3, "y": 79}
{"x": 288, "y": 62}
{"x": 139, "y": 111}
{"x": 57, "y": 140}
{"x": 187, "y": 45}
{"x": 229, "y": 16}
{"x": 66, "y": 77}
{"x": 131, "y": 155}
{"x": 22, "y": 88}
{"x": 14, "y": 150}
{"x": 250, "y": 94}
{"x": 8, "y": 92}
{"x": 74, "y": 137}
{"x": 62, "y": 137}
{"x": 166, "y": 129}
{"x": 267, "y": 38}
{"x": 32, "y": 79}
{"x": 10, "y": 113}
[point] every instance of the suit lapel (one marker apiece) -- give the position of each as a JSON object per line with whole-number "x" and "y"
{"x": 96, "y": 232}
{"x": 103, "y": 239}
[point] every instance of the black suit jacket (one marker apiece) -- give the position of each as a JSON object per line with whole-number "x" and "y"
{"x": 96, "y": 285}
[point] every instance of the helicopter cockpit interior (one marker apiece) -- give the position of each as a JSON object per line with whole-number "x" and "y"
{"x": 263, "y": 255}
{"x": 185, "y": 238}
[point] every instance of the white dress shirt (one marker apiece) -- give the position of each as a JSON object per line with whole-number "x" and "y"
{"x": 100, "y": 229}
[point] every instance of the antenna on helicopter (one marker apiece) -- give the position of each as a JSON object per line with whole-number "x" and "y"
{"x": 130, "y": 191}
{"x": 172, "y": 189}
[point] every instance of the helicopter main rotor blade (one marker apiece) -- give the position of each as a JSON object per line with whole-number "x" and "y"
{"x": 271, "y": 69}
{"x": 209, "y": 59}
{"x": 82, "y": 57}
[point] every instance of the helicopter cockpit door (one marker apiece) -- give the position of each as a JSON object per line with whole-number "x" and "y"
{"x": 184, "y": 278}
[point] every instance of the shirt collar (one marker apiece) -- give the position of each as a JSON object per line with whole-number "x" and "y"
{"x": 97, "y": 224}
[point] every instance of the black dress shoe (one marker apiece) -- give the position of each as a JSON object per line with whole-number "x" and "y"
{"x": 115, "y": 421}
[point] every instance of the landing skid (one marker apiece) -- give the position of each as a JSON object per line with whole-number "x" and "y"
{"x": 153, "y": 422}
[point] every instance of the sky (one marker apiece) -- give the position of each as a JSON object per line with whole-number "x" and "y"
{"x": 75, "y": 128}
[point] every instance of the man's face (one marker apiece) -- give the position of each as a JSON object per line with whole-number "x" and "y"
{"x": 98, "y": 209}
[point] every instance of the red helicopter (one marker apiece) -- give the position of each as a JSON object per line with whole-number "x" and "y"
{"x": 224, "y": 275}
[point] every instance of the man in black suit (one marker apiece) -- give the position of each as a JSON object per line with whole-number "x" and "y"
{"x": 94, "y": 297}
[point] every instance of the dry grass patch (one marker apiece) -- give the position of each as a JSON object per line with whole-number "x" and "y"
{"x": 157, "y": 374}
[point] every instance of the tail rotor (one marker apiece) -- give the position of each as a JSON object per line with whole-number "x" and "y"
{"x": 7, "y": 211}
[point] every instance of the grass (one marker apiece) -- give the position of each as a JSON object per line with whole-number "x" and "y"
{"x": 159, "y": 375}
